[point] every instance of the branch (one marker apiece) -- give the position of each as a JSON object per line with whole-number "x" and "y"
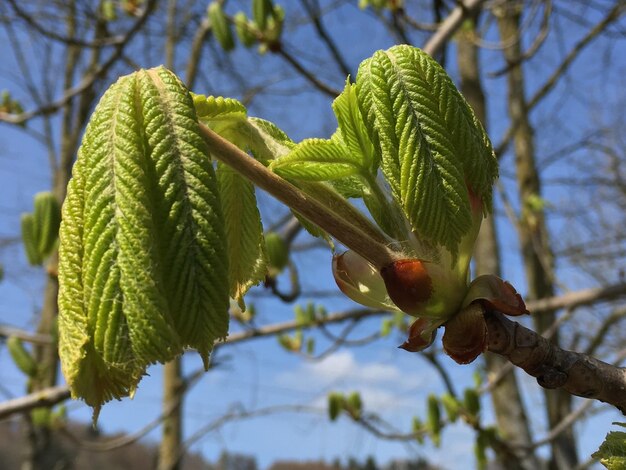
{"x": 343, "y": 230}
{"x": 54, "y": 395}
{"x": 613, "y": 15}
{"x": 29, "y": 19}
{"x": 46, "y": 397}
{"x": 88, "y": 80}
{"x": 35, "y": 338}
{"x": 576, "y": 373}
{"x": 449, "y": 26}
{"x": 577, "y": 298}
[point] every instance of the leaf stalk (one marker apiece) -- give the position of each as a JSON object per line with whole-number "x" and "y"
{"x": 351, "y": 236}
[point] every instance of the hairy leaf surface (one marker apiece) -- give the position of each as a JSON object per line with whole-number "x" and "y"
{"x": 352, "y": 128}
{"x": 244, "y": 232}
{"x": 143, "y": 267}
{"x": 431, "y": 143}
{"x": 317, "y": 160}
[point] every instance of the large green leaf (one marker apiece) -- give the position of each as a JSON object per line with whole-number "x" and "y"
{"x": 244, "y": 232}
{"x": 143, "y": 267}
{"x": 432, "y": 145}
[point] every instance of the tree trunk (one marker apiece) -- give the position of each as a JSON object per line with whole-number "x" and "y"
{"x": 534, "y": 238}
{"x": 507, "y": 402}
{"x": 170, "y": 448}
{"x": 171, "y": 445}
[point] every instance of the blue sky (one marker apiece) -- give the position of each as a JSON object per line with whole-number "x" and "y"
{"x": 259, "y": 373}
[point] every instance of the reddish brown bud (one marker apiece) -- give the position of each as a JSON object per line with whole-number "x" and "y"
{"x": 408, "y": 284}
{"x": 465, "y": 336}
{"x": 416, "y": 340}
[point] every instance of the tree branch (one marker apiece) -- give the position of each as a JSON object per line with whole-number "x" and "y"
{"x": 343, "y": 230}
{"x": 576, "y": 373}
{"x": 54, "y": 395}
{"x": 47, "y": 397}
{"x": 88, "y": 80}
{"x": 449, "y": 26}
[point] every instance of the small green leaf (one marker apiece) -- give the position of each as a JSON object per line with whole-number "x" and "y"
{"x": 29, "y": 240}
{"x": 220, "y": 26}
{"x": 418, "y": 429}
{"x": 431, "y": 143}
{"x": 47, "y": 218}
{"x": 612, "y": 452}
{"x": 213, "y": 108}
{"x": 434, "y": 419}
{"x": 451, "y": 405}
{"x": 244, "y": 29}
{"x": 21, "y": 357}
{"x": 277, "y": 253}
{"x": 244, "y": 232}
{"x": 354, "y": 405}
{"x": 336, "y": 404}
{"x": 317, "y": 160}
{"x": 261, "y": 9}
{"x": 471, "y": 402}
{"x": 353, "y": 130}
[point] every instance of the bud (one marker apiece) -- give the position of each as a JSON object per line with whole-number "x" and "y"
{"x": 408, "y": 284}
{"x": 360, "y": 281}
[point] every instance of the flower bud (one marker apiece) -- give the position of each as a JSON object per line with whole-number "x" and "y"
{"x": 360, "y": 281}
{"x": 408, "y": 284}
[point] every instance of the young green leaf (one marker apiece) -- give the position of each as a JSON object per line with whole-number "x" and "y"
{"x": 352, "y": 128}
{"x": 215, "y": 108}
{"x": 434, "y": 419}
{"x": 244, "y": 29}
{"x": 244, "y": 232}
{"x": 143, "y": 268}
{"x": 220, "y": 26}
{"x": 432, "y": 145}
{"x": 47, "y": 218}
{"x": 261, "y": 9}
{"x": 612, "y": 452}
{"x": 277, "y": 251}
{"x": 317, "y": 160}
{"x": 21, "y": 357}
{"x": 30, "y": 240}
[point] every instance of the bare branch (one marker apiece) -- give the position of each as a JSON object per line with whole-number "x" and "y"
{"x": 35, "y": 338}
{"x": 88, "y": 80}
{"x": 46, "y": 397}
{"x": 577, "y": 298}
{"x": 449, "y": 26}
{"x": 576, "y": 373}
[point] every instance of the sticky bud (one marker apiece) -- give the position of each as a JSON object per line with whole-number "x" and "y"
{"x": 360, "y": 281}
{"x": 408, "y": 284}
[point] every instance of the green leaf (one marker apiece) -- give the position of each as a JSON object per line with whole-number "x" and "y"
{"x": 261, "y": 9}
{"x": 30, "y": 239}
{"x": 316, "y": 160}
{"x": 220, "y": 26}
{"x": 277, "y": 251}
{"x": 268, "y": 140}
{"x": 431, "y": 143}
{"x": 143, "y": 267}
{"x": 244, "y": 232}
{"x": 434, "y": 419}
{"x": 213, "y": 108}
{"x": 612, "y": 452}
{"x": 352, "y": 128}
{"x": 47, "y": 215}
